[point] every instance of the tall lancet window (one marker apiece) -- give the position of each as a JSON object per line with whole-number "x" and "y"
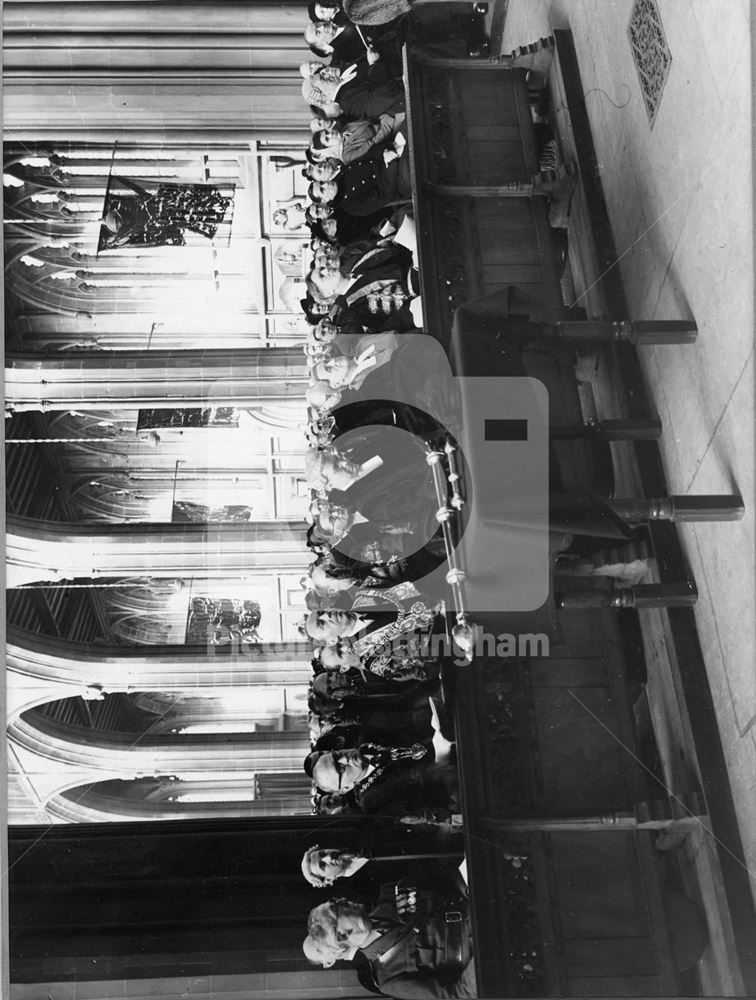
{"x": 196, "y": 254}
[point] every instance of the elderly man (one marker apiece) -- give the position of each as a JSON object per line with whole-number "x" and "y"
{"x": 338, "y": 525}
{"x": 338, "y": 227}
{"x": 360, "y": 694}
{"x": 341, "y": 571}
{"x": 432, "y": 858}
{"x": 376, "y": 182}
{"x": 416, "y": 943}
{"x": 346, "y": 43}
{"x": 358, "y": 138}
{"x": 332, "y": 469}
{"x": 359, "y": 91}
{"x": 377, "y": 292}
{"x": 330, "y": 625}
{"x": 398, "y": 719}
{"x": 342, "y": 42}
{"x": 322, "y": 866}
{"x": 341, "y": 658}
{"x": 388, "y": 782}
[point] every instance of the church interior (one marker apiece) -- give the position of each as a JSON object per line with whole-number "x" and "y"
{"x": 413, "y": 538}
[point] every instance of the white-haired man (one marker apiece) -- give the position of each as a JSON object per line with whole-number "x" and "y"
{"x": 415, "y": 944}
{"x": 322, "y": 866}
{"x": 359, "y": 91}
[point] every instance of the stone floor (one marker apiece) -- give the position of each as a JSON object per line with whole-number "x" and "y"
{"x": 679, "y": 196}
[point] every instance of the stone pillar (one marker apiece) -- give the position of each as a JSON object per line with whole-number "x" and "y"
{"x": 54, "y": 551}
{"x": 123, "y": 69}
{"x": 106, "y": 380}
{"x": 53, "y": 761}
{"x": 47, "y": 668}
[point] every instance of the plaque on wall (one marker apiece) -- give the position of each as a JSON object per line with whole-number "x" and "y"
{"x": 222, "y": 621}
{"x": 189, "y": 416}
{"x": 187, "y": 512}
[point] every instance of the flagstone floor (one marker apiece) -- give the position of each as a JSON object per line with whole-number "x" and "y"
{"x": 679, "y": 195}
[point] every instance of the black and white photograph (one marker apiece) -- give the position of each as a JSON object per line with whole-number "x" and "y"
{"x": 380, "y": 563}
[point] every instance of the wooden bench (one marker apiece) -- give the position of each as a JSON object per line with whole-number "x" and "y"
{"x": 561, "y": 804}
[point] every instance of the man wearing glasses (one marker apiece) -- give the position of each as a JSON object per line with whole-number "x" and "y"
{"x": 390, "y": 782}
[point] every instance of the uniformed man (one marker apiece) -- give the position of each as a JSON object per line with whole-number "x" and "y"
{"x": 415, "y": 944}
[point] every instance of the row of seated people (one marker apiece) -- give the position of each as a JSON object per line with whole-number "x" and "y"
{"x": 372, "y": 505}
{"x": 406, "y": 938}
{"x": 381, "y": 743}
{"x": 378, "y": 742}
{"x": 358, "y": 163}
{"x": 360, "y": 284}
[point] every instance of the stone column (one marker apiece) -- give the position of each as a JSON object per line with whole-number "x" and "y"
{"x": 123, "y": 69}
{"x": 45, "y": 551}
{"x": 52, "y": 761}
{"x": 47, "y": 668}
{"x": 106, "y": 380}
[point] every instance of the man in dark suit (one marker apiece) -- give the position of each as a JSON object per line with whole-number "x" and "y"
{"x": 375, "y": 293}
{"x": 396, "y": 782}
{"x": 346, "y": 44}
{"x": 419, "y": 946}
{"x": 357, "y": 138}
{"x": 370, "y": 184}
{"x": 416, "y": 943}
{"x": 343, "y": 43}
{"x": 360, "y": 91}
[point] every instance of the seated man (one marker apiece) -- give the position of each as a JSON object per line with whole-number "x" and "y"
{"x": 323, "y": 171}
{"x": 407, "y": 658}
{"x": 338, "y": 227}
{"x": 358, "y": 694}
{"x": 322, "y": 866}
{"x": 388, "y": 782}
{"x": 323, "y": 718}
{"x": 367, "y": 483}
{"x": 376, "y": 292}
{"x": 398, "y": 727}
{"x": 336, "y": 732}
{"x": 379, "y": 180}
{"x": 326, "y": 10}
{"x": 345, "y": 44}
{"x": 356, "y": 536}
{"x": 376, "y": 11}
{"x": 342, "y": 42}
{"x": 376, "y": 629}
{"x": 333, "y": 804}
{"x": 349, "y": 370}
{"x": 392, "y": 712}
{"x": 330, "y": 626}
{"x": 340, "y": 573}
{"x": 359, "y": 91}
{"x": 356, "y": 139}
{"x": 416, "y": 943}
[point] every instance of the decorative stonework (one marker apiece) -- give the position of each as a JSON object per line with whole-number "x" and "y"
{"x": 650, "y": 53}
{"x": 506, "y": 724}
{"x": 441, "y": 167}
{"x": 518, "y": 895}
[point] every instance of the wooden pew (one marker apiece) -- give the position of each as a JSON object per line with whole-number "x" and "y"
{"x": 560, "y": 797}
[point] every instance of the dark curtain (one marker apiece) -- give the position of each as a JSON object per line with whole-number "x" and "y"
{"x": 140, "y": 900}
